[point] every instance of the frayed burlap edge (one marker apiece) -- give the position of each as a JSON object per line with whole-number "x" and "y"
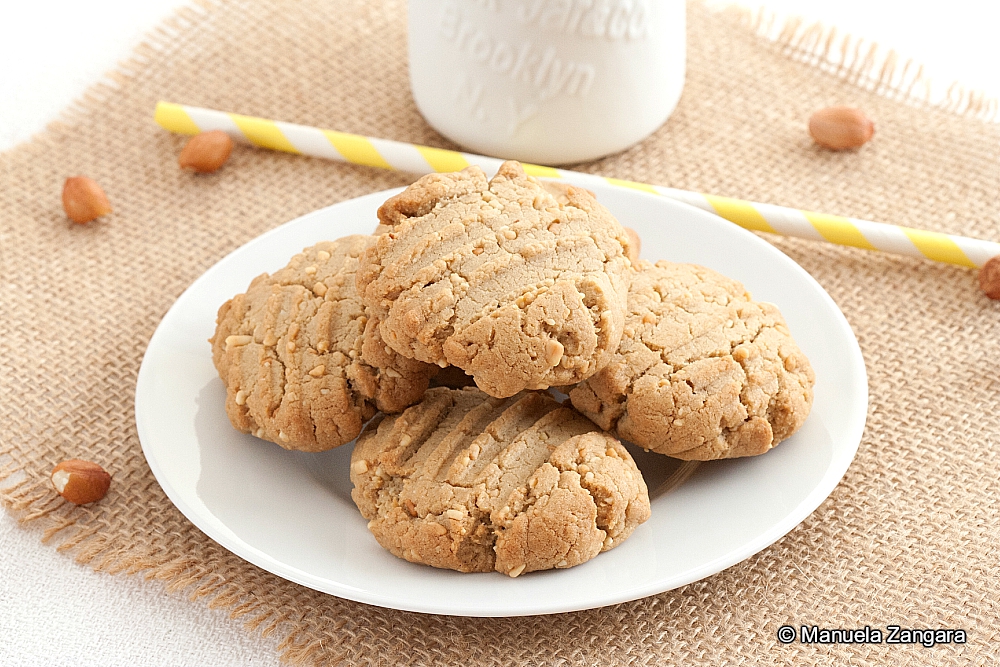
{"x": 28, "y": 495}
{"x": 862, "y": 62}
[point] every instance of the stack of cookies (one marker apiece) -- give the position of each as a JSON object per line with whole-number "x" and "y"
{"x": 435, "y": 339}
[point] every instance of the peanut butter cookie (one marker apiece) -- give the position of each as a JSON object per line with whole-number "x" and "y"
{"x": 499, "y": 279}
{"x": 703, "y": 371}
{"x": 473, "y": 483}
{"x": 303, "y": 365}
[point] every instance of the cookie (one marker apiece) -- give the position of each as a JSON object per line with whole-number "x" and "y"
{"x": 498, "y": 278}
{"x": 703, "y": 371}
{"x": 473, "y": 483}
{"x": 303, "y": 365}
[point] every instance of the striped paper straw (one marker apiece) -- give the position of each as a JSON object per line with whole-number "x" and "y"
{"x": 399, "y": 156}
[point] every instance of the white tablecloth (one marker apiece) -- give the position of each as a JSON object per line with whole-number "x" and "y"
{"x": 55, "y": 612}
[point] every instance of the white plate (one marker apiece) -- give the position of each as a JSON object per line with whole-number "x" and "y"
{"x": 291, "y": 513}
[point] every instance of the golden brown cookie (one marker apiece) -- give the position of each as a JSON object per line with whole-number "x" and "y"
{"x": 703, "y": 371}
{"x": 473, "y": 483}
{"x": 303, "y": 365}
{"x": 499, "y": 279}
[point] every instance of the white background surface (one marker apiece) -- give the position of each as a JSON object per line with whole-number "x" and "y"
{"x": 54, "y": 612}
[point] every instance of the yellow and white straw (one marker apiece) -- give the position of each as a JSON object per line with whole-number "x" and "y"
{"x": 399, "y": 156}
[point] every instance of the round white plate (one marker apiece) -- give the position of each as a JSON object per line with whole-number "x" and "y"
{"x": 291, "y": 513}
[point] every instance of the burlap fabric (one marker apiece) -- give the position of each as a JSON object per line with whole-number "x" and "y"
{"x": 911, "y": 534}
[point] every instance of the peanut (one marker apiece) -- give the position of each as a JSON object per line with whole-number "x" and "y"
{"x": 989, "y": 277}
{"x": 84, "y": 200}
{"x": 840, "y": 128}
{"x": 206, "y": 152}
{"x": 80, "y": 482}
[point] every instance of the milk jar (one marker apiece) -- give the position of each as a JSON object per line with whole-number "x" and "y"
{"x": 546, "y": 81}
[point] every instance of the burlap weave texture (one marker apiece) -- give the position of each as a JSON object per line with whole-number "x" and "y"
{"x": 910, "y": 536}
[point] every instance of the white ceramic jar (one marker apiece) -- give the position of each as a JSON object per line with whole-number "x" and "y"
{"x": 546, "y": 81}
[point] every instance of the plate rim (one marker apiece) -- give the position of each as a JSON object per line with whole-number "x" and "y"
{"x": 831, "y": 478}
